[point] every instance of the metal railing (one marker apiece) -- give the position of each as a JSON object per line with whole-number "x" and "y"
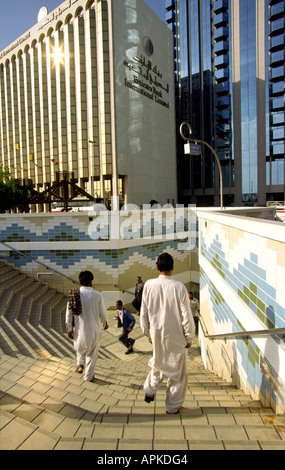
{"x": 275, "y": 203}
{"x": 48, "y": 267}
{"x": 245, "y": 335}
{"x": 122, "y": 290}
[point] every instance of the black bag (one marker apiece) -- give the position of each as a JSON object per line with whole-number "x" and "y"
{"x": 74, "y": 302}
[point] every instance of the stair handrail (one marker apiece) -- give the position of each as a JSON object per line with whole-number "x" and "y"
{"x": 240, "y": 334}
{"x": 48, "y": 267}
{"x": 221, "y": 336}
{"x": 121, "y": 289}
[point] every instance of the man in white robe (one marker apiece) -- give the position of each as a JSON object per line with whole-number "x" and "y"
{"x": 86, "y": 330}
{"x": 167, "y": 321}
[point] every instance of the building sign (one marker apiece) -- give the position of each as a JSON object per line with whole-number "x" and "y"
{"x": 56, "y": 13}
{"x": 192, "y": 149}
{"x": 53, "y": 16}
{"x": 147, "y": 80}
{"x": 148, "y": 46}
{"x": 15, "y": 44}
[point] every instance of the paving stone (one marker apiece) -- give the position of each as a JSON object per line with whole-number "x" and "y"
{"x": 107, "y": 431}
{"x": 248, "y": 419}
{"x": 15, "y": 433}
{"x": 52, "y": 404}
{"x": 281, "y": 431}
{"x": 242, "y": 445}
{"x": 41, "y": 387}
{"x": 56, "y": 393}
{"x": 102, "y": 444}
{"x": 48, "y": 420}
{"x": 110, "y": 401}
{"x": 18, "y": 390}
{"x": 262, "y": 433}
{"x": 67, "y": 428}
{"x": 142, "y": 432}
{"x": 116, "y": 418}
{"x": 5, "y": 418}
{"x": 27, "y": 412}
{"x": 231, "y": 433}
{"x": 39, "y": 440}
{"x": 45, "y": 403}
{"x": 34, "y": 397}
{"x": 205, "y": 445}
{"x": 9, "y": 403}
{"x": 221, "y": 419}
{"x": 121, "y": 410}
{"x": 203, "y": 433}
{"x": 163, "y": 432}
{"x": 273, "y": 419}
{"x": 91, "y": 405}
{"x": 168, "y": 445}
{"x": 27, "y": 381}
{"x": 72, "y": 412}
{"x": 270, "y": 445}
{"x": 85, "y": 430}
{"x": 92, "y": 394}
{"x": 69, "y": 444}
{"x": 189, "y": 420}
{"x": 167, "y": 420}
{"x": 135, "y": 444}
{"x": 73, "y": 399}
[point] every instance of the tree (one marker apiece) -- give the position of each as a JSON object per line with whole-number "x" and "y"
{"x": 10, "y": 194}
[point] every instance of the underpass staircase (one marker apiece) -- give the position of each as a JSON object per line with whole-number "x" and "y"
{"x": 46, "y": 405}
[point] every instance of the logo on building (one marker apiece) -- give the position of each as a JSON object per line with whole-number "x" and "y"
{"x": 148, "y": 46}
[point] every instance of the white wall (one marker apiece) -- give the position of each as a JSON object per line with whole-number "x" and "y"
{"x": 242, "y": 288}
{"x": 145, "y": 129}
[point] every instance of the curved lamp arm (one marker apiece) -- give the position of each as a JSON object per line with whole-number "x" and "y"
{"x": 212, "y": 150}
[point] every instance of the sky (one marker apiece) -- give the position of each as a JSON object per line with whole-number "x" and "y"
{"x": 18, "y": 16}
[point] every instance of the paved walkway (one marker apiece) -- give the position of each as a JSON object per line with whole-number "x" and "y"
{"x": 46, "y": 405}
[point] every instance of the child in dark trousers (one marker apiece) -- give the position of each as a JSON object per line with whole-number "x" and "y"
{"x": 126, "y": 321}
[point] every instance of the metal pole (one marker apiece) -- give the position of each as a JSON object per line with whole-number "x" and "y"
{"x": 219, "y": 166}
{"x": 212, "y": 150}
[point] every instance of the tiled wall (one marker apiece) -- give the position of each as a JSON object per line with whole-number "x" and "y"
{"x": 116, "y": 254}
{"x": 242, "y": 275}
{"x": 242, "y": 288}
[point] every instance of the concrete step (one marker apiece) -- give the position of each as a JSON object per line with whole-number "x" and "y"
{"x": 4, "y": 269}
{"x": 17, "y": 433}
{"x": 46, "y": 405}
{"x": 51, "y": 311}
{"x": 47, "y": 396}
{"x": 9, "y": 285}
{"x": 22, "y": 314}
{"x": 28, "y": 309}
{"x": 58, "y": 315}
{"x": 11, "y": 309}
{"x": 26, "y": 299}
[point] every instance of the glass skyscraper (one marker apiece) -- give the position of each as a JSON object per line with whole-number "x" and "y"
{"x": 229, "y": 72}
{"x": 87, "y": 98}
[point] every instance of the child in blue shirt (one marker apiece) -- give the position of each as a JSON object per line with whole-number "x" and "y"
{"x": 126, "y": 321}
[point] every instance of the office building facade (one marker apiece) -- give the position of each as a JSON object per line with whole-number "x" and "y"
{"x": 88, "y": 93}
{"x": 229, "y": 69}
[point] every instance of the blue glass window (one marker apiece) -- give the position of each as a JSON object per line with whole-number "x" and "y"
{"x": 248, "y": 101}
{"x": 277, "y": 171}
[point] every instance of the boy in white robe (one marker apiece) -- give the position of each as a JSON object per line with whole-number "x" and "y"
{"x": 86, "y": 329}
{"x": 167, "y": 321}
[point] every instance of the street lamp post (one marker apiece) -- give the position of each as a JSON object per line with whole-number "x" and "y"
{"x": 212, "y": 150}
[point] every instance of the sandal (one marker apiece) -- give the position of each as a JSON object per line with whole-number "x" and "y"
{"x": 80, "y": 369}
{"x": 149, "y": 398}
